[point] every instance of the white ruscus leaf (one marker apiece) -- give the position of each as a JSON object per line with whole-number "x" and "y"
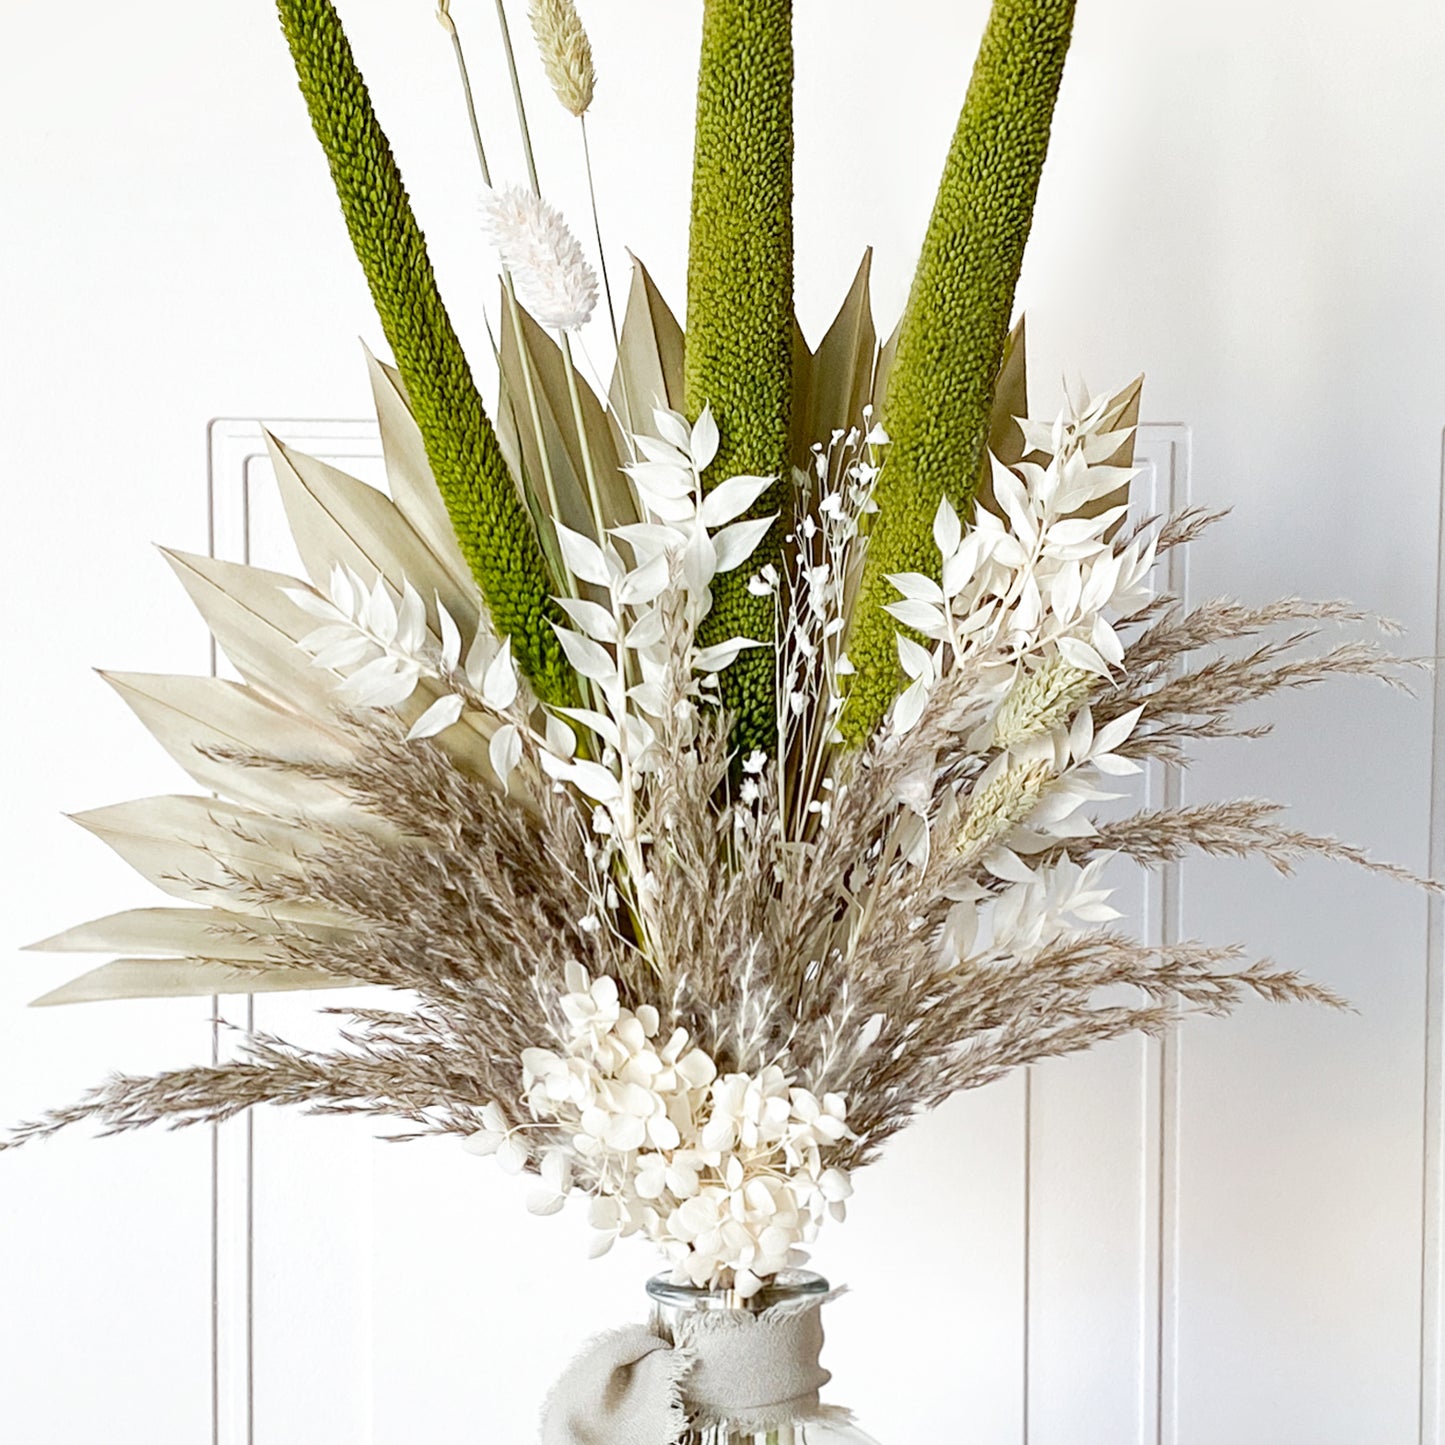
{"x": 721, "y": 654}
{"x": 451, "y": 637}
{"x": 583, "y": 557}
{"x": 437, "y": 718}
{"x": 505, "y": 751}
{"x": 730, "y": 499}
{"x": 735, "y": 544}
{"x": 499, "y": 686}
{"x": 589, "y": 658}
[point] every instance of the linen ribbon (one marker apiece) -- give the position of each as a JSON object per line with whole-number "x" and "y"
{"x": 631, "y": 1386}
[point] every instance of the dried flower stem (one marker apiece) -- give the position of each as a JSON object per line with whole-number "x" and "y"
{"x": 583, "y": 443}
{"x": 520, "y": 104}
{"x": 529, "y": 379}
{"x": 602, "y": 255}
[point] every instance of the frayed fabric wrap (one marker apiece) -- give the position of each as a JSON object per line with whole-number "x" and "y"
{"x": 625, "y": 1388}
{"x": 631, "y": 1387}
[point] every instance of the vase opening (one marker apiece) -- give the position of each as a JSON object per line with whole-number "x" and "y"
{"x": 671, "y": 1301}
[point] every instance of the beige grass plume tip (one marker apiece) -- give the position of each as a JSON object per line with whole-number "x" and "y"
{"x": 566, "y": 52}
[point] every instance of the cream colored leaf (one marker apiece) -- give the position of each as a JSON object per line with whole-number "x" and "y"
{"x": 835, "y": 383}
{"x": 550, "y": 389}
{"x": 409, "y": 475}
{"x": 649, "y": 371}
{"x": 256, "y": 624}
{"x": 182, "y": 978}
{"x": 169, "y": 932}
{"x": 1122, "y": 414}
{"x": 189, "y": 847}
{"x": 189, "y": 714}
{"x": 335, "y": 519}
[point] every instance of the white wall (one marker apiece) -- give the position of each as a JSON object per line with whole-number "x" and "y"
{"x": 1224, "y": 1245}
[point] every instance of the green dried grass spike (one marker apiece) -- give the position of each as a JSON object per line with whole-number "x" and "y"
{"x": 486, "y": 510}
{"x": 940, "y": 389}
{"x": 740, "y": 307}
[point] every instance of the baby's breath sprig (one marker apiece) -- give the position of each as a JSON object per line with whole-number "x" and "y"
{"x": 814, "y": 592}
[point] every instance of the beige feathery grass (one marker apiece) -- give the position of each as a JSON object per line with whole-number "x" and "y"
{"x": 566, "y": 52}
{"x": 819, "y": 954}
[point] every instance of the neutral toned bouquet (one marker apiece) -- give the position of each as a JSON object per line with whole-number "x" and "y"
{"x": 710, "y": 768}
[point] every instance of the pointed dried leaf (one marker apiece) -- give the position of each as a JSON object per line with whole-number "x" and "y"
{"x": 437, "y": 718}
{"x": 183, "y": 978}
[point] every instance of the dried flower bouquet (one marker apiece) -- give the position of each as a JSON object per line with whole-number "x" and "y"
{"x": 711, "y": 769}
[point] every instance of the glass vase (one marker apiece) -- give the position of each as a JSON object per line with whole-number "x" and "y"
{"x": 672, "y": 1303}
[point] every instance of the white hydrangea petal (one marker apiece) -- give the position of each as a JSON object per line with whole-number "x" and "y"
{"x": 513, "y": 1155}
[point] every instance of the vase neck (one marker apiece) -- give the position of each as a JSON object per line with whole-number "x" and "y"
{"x": 672, "y": 1303}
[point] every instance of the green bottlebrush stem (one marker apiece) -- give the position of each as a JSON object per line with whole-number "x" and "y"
{"x": 486, "y": 510}
{"x": 740, "y": 307}
{"x": 940, "y": 392}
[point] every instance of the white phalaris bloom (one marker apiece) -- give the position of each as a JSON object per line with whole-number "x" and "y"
{"x": 554, "y": 280}
{"x": 729, "y": 1174}
{"x": 566, "y": 52}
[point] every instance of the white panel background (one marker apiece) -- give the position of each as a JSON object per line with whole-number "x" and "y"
{"x": 1232, "y": 1241}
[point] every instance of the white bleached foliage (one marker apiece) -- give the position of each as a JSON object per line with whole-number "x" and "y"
{"x": 383, "y": 647}
{"x": 1035, "y": 579}
{"x": 726, "y": 1173}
